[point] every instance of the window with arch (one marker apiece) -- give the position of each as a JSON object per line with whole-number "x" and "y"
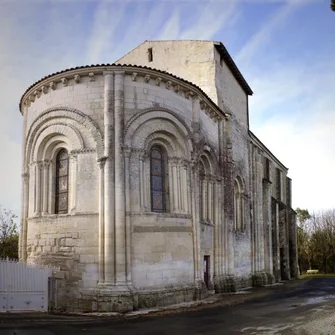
{"x": 158, "y": 179}
{"x": 238, "y": 205}
{"x": 62, "y": 182}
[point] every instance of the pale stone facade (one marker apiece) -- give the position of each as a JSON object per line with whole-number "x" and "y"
{"x": 226, "y": 220}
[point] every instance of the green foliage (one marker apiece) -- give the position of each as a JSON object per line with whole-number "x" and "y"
{"x": 316, "y": 240}
{"x": 332, "y": 5}
{"x": 303, "y": 215}
{"x": 9, "y": 238}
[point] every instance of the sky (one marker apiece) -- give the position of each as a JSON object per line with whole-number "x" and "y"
{"x": 284, "y": 48}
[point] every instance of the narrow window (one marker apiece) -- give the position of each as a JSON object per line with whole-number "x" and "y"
{"x": 157, "y": 180}
{"x": 202, "y": 191}
{"x": 62, "y": 182}
{"x": 238, "y": 207}
{"x": 150, "y": 56}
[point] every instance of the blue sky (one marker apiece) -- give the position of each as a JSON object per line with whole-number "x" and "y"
{"x": 285, "y": 49}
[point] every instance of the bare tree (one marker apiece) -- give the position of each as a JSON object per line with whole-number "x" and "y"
{"x": 9, "y": 237}
{"x": 332, "y": 5}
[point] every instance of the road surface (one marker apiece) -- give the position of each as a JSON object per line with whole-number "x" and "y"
{"x": 304, "y": 308}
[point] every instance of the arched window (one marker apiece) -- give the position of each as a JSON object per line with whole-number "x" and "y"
{"x": 238, "y": 205}
{"x": 62, "y": 182}
{"x": 158, "y": 179}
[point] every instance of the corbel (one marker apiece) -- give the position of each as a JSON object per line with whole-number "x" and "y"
{"x": 77, "y": 78}
{"x": 91, "y": 76}
{"x": 158, "y": 81}
{"x": 133, "y": 76}
{"x": 147, "y": 78}
{"x": 64, "y": 81}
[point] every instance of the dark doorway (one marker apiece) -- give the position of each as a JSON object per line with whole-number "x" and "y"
{"x": 206, "y": 270}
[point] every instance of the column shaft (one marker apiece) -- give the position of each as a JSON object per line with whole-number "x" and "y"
{"x": 120, "y": 231}
{"x": 109, "y": 188}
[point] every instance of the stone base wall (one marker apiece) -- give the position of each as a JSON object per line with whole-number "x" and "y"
{"x": 123, "y": 299}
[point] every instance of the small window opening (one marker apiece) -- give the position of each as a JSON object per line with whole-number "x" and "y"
{"x": 150, "y": 57}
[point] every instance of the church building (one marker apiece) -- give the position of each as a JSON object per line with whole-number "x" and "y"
{"x": 143, "y": 183}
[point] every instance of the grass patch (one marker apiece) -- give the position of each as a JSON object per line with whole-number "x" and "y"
{"x": 319, "y": 275}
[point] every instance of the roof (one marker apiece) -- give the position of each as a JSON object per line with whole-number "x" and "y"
{"x": 102, "y": 66}
{"x": 233, "y": 67}
{"x": 265, "y": 148}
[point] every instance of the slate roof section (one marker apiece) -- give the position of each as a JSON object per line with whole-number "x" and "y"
{"x": 233, "y": 67}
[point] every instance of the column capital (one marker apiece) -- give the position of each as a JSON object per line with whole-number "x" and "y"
{"x": 108, "y": 73}
{"x": 126, "y": 151}
{"x": 25, "y": 176}
{"x": 101, "y": 161}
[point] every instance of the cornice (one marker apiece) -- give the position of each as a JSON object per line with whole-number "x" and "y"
{"x": 150, "y": 76}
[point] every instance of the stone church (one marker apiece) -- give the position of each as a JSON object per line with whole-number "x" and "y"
{"x": 143, "y": 183}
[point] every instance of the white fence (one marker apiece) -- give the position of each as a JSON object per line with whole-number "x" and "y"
{"x": 23, "y": 287}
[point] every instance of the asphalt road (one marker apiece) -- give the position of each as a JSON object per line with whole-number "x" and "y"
{"x": 290, "y": 309}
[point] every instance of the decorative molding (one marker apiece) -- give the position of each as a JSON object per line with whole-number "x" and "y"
{"x": 147, "y": 78}
{"x": 82, "y": 151}
{"x": 91, "y": 76}
{"x": 73, "y": 114}
{"x": 64, "y": 81}
{"x": 164, "y": 229}
{"x": 159, "y": 109}
{"x": 77, "y": 78}
{"x": 133, "y": 76}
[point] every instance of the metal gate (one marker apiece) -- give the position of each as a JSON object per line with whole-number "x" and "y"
{"x": 23, "y": 287}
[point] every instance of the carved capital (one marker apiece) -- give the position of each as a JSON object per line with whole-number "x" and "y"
{"x": 77, "y": 78}
{"x": 46, "y": 163}
{"x": 147, "y": 78}
{"x": 133, "y": 76}
{"x": 25, "y": 176}
{"x": 101, "y": 162}
{"x": 91, "y": 76}
{"x": 127, "y": 151}
{"x": 174, "y": 160}
{"x": 64, "y": 81}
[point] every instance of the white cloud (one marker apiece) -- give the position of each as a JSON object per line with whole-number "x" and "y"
{"x": 262, "y": 37}
{"x": 301, "y": 131}
{"x": 208, "y": 22}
